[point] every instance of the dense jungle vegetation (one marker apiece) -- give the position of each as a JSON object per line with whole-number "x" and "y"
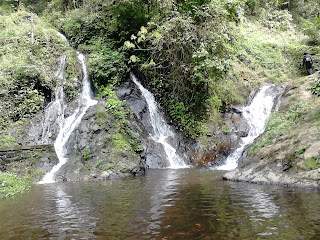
{"x": 197, "y": 56}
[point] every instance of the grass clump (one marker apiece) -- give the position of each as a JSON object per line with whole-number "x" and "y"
{"x": 312, "y": 163}
{"x": 12, "y": 185}
{"x": 103, "y": 166}
{"x": 7, "y": 141}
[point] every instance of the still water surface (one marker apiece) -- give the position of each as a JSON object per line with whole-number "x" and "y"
{"x": 164, "y": 204}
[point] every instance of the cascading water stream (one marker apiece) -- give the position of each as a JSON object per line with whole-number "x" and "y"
{"x": 54, "y": 112}
{"x": 256, "y": 115}
{"x": 69, "y": 124}
{"x": 161, "y": 129}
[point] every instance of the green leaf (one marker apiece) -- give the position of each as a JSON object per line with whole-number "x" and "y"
{"x": 143, "y": 30}
{"x": 152, "y": 63}
{"x": 128, "y": 45}
{"x": 134, "y": 59}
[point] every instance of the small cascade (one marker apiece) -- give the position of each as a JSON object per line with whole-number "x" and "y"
{"x": 256, "y": 115}
{"x": 54, "y": 112}
{"x": 68, "y": 125}
{"x": 161, "y": 129}
{"x": 63, "y": 37}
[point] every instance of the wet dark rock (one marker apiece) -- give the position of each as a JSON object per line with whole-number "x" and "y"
{"x": 92, "y": 154}
{"x": 155, "y": 154}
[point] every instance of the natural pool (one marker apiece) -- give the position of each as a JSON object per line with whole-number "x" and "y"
{"x": 164, "y": 204}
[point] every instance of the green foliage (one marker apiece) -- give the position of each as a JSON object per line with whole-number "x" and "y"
{"x": 7, "y": 141}
{"x": 102, "y": 166}
{"x": 183, "y": 58}
{"x": 278, "y": 19}
{"x": 12, "y": 185}
{"x": 271, "y": 55}
{"x": 103, "y": 19}
{"x": 120, "y": 143}
{"x": 315, "y": 89}
{"x": 79, "y": 27}
{"x": 90, "y": 32}
{"x": 312, "y": 28}
{"x": 123, "y": 139}
{"x": 258, "y": 145}
{"x": 29, "y": 50}
{"x": 300, "y": 151}
{"x": 114, "y": 106}
{"x": 86, "y": 155}
{"x": 128, "y": 17}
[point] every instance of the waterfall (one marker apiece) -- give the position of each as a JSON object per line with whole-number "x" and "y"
{"x": 54, "y": 112}
{"x": 67, "y": 125}
{"x": 161, "y": 129}
{"x": 256, "y": 115}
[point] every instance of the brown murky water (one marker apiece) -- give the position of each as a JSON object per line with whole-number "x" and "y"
{"x": 164, "y": 204}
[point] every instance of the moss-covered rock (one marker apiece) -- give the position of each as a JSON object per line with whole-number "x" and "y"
{"x": 106, "y": 144}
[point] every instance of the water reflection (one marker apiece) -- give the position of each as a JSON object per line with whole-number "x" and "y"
{"x": 262, "y": 205}
{"x": 162, "y": 197}
{"x": 65, "y": 215}
{"x": 164, "y": 204}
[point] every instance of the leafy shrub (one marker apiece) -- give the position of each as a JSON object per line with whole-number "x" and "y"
{"x": 86, "y": 155}
{"x": 278, "y": 19}
{"x": 183, "y": 60}
{"x": 106, "y": 64}
{"x": 315, "y": 89}
{"x": 312, "y": 28}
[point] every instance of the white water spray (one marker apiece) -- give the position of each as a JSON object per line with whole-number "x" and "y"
{"x": 68, "y": 125}
{"x": 161, "y": 129}
{"x": 256, "y": 115}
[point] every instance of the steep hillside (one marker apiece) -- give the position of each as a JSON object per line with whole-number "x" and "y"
{"x": 288, "y": 152}
{"x": 30, "y": 52}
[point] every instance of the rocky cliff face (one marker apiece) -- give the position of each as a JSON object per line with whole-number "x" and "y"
{"x": 155, "y": 154}
{"x": 105, "y": 146}
{"x": 208, "y": 150}
{"x": 101, "y": 147}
